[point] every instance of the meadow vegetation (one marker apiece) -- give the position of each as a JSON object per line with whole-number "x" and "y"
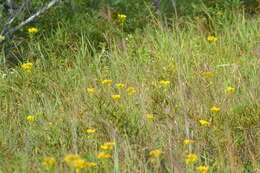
{"x": 173, "y": 95}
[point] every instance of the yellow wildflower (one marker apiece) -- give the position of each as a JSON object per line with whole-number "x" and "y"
{"x": 90, "y": 131}
{"x": 230, "y": 89}
{"x": 131, "y": 90}
{"x": 215, "y": 109}
{"x": 164, "y": 82}
{"x": 2, "y": 37}
{"x": 204, "y": 123}
{"x": 27, "y": 66}
{"x": 191, "y": 158}
{"x": 121, "y": 17}
{"x": 115, "y": 96}
{"x": 219, "y": 13}
{"x": 90, "y": 90}
{"x": 79, "y": 164}
{"x": 120, "y": 85}
{"x": 107, "y": 81}
{"x": 188, "y": 141}
{"x": 107, "y": 146}
{"x": 32, "y": 30}
{"x": 48, "y": 162}
{"x": 70, "y": 158}
{"x": 30, "y": 117}
{"x": 103, "y": 155}
{"x": 149, "y": 116}
{"x": 202, "y": 169}
{"x": 155, "y": 153}
{"x": 207, "y": 74}
{"x": 212, "y": 38}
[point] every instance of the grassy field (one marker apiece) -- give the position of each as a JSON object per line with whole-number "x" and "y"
{"x": 167, "y": 99}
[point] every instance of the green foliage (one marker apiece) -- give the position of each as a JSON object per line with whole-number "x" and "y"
{"x": 79, "y": 45}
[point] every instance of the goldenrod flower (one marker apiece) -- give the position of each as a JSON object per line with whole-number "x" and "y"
{"x": 215, "y": 109}
{"x": 107, "y": 81}
{"x": 90, "y": 90}
{"x": 2, "y": 37}
{"x": 155, "y": 153}
{"x": 131, "y": 90}
{"x": 204, "y": 123}
{"x": 149, "y": 116}
{"x": 103, "y": 155}
{"x": 30, "y": 117}
{"x": 32, "y": 30}
{"x": 121, "y": 17}
{"x": 48, "y": 162}
{"x": 212, "y": 38}
{"x": 27, "y": 66}
{"x": 120, "y": 85}
{"x": 219, "y": 13}
{"x": 188, "y": 141}
{"x": 163, "y": 82}
{"x": 202, "y": 169}
{"x": 115, "y": 96}
{"x": 230, "y": 89}
{"x": 70, "y": 158}
{"x": 191, "y": 158}
{"x": 90, "y": 131}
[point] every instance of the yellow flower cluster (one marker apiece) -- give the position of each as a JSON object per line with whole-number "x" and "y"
{"x": 90, "y": 90}
{"x": 70, "y": 158}
{"x": 2, "y": 37}
{"x": 188, "y": 141}
{"x": 77, "y": 162}
{"x": 155, "y": 153}
{"x": 120, "y": 85}
{"x": 191, "y": 159}
{"x": 230, "y": 89}
{"x": 107, "y": 81}
{"x": 90, "y": 131}
{"x": 131, "y": 90}
{"x": 121, "y": 17}
{"x": 108, "y": 146}
{"x": 103, "y": 155}
{"x": 115, "y": 96}
{"x": 163, "y": 82}
{"x": 149, "y": 116}
{"x": 212, "y": 38}
{"x": 48, "y": 162}
{"x": 30, "y": 117}
{"x": 27, "y": 66}
{"x": 202, "y": 169}
{"x": 204, "y": 123}
{"x": 215, "y": 109}
{"x": 32, "y": 30}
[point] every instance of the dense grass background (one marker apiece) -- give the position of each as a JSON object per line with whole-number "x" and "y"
{"x": 72, "y": 56}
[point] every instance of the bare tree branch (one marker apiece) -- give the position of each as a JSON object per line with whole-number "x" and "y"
{"x": 13, "y": 16}
{"x": 31, "y": 18}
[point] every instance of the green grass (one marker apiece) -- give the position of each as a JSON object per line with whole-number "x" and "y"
{"x": 56, "y": 91}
